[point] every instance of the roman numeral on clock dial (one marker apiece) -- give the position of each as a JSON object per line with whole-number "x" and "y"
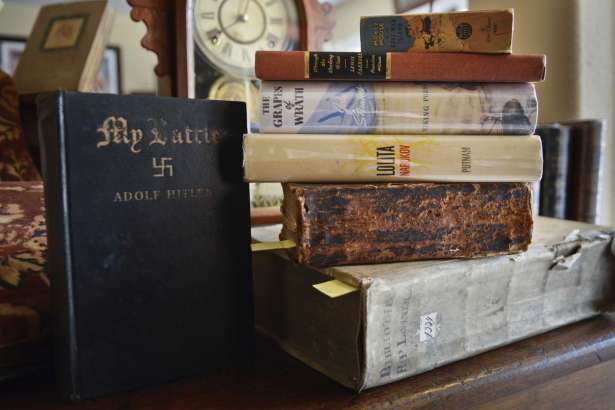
{"x": 272, "y": 40}
{"x": 214, "y": 35}
{"x": 276, "y": 21}
{"x": 246, "y": 55}
{"x": 227, "y": 49}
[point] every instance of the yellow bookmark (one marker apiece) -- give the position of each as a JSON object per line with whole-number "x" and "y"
{"x": 335, "y": 288}
{"x": 268, "y": 246}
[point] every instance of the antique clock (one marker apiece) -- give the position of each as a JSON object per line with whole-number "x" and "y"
{"x": 206, "y": 47}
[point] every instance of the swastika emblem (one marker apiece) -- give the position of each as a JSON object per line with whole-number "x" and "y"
{"x": 163, "y": 166}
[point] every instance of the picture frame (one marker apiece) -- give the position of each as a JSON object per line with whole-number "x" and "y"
{"x": 429, "y": 6}
{"x": 11, "y": 49}
{"x": 403, "y": 6}
{"x": 108, "y": 78}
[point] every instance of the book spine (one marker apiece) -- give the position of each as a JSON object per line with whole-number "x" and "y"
{"x": 379, "y": 223}
{"x": 586, "y": 151}
{"x": 451, "y": 67}
{"x": 555, "y": 148}
{"x": 52, "y": 140}
{"x": 397, "y": 108}
{"x": 382, "y": 158}
{"x": 473, "y": 32}
{"x": 317, "y": 65}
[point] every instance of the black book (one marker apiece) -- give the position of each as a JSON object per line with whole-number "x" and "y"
{"x": 584, "y": 174}
{"x": 555, "y": 148}
{"x": 149, "y": 234}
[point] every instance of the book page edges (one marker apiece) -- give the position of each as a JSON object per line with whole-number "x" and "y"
{"x": 323, "y": 332}
{"x": 87, "y": 82}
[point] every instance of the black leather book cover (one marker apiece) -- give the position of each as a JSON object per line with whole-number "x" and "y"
{"x": 149, "y": 235}
{"x": 587, "y": 145}
{"x": 553, "y": 185}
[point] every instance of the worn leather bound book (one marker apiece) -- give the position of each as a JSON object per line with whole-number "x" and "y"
{"x": 377, "y": 223}
{"x": 555, "y": 154}
{"x": 483, "y": 31}
{"x": 407, "y": 318}
{"x": 352, "y": 66}
{"x": 149, "y": 238}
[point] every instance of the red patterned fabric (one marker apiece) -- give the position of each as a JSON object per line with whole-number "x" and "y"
{"x": 24, "y": 283}
{"x": 15, "y": 161}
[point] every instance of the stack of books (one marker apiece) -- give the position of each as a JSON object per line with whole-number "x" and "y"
{"x": 418, "y": 147}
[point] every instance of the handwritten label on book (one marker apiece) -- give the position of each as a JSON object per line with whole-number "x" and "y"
{"x": 429, "y": 327}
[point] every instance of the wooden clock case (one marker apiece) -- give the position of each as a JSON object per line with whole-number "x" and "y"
{"x": 170, "y": 33}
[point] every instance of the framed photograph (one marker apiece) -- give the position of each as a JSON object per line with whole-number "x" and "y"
{"x": 108, "y": 79}
{"x": 11, "y": 49}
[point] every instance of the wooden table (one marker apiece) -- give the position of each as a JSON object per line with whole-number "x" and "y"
{"x": 568, "y": 368}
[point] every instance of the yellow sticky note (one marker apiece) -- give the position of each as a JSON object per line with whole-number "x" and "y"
{"x": 268, "y": 246}
{"x": 335, "y": 288}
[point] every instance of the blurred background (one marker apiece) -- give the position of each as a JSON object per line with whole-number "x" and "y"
{"x": 578, "y": 37}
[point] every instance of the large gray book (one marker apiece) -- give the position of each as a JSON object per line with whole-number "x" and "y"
{"x": 407, "y": 318}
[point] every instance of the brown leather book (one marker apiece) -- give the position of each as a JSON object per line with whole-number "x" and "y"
{"x": 378, "y": 223}
{"x": 462, "y": 67}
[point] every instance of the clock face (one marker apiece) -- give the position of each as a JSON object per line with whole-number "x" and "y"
{"x": 228, "y": 32}
{"x": 231, "y": 89}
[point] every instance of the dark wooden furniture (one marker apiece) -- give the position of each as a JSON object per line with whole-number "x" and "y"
{"x": 569, "y": 368}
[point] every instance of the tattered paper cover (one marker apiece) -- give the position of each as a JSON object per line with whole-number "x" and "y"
{"x": 410, "y": 317}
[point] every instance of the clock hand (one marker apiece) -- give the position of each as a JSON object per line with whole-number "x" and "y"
{"x": 240, "y": 4}
{"x": 239, "y": 20}
{"x": 242, "y": 17}
{"x": 245, "y": 10}
{"x": 241, "y": 11}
